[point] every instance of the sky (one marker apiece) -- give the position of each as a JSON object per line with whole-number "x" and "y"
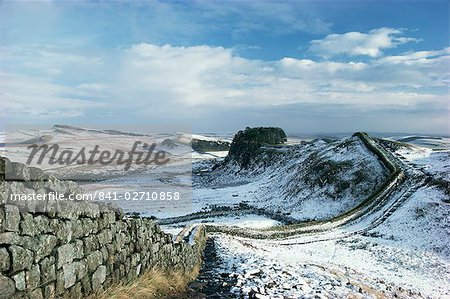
{"x": 220, "y": 66}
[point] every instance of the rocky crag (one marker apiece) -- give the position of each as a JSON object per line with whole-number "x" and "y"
{"x": 247, "y": 144}
{"x": 203, "y": 146}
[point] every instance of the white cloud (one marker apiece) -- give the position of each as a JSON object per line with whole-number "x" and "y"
{"x": 216, "y": 77}
{"x": 24, "y": 97}
{"x": 356, "y": 43}
{"x": 148, "y": 81}
{"x": 419, "y": 57}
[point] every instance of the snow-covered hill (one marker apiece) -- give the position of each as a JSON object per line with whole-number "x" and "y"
{"x": 315, "y": 180}
{"x": 406, "y": 256}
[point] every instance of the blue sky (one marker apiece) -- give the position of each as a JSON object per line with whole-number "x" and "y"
{"x": 319, "y": 66}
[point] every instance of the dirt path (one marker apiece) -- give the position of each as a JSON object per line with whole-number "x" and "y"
{"x": 210, "y": 283}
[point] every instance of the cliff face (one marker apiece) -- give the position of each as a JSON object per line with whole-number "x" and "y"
{"x": 209, "y": 145}
{"x": 73, "y": 248}
{"x": 246, "y": 144}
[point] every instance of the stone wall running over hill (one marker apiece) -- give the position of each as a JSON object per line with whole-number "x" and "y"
{"x": 72, "y": 249}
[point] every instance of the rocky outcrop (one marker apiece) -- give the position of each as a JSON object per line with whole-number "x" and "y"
{"x": 203, "y": 146}
{"x": 72, "y": 249}
{"x": 246, "y": 144}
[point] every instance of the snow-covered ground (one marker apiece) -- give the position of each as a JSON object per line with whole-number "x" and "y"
{"x": 208, "y": 155}
{"x": 433, "y": 142}
{"x": 407, "y": 256}
{"x": 244, "y": 221}
{"x": 435, "y": 162}
{"x": 364, "y": 261}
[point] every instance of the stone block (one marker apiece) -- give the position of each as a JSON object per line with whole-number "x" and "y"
{"x": 19, "y": 280}
{"x": 5, "y": 260}
{"x": 15, "y": 171}
{"x": 88, "y": 227}
{"x": 90, "y": 244}
{"x": 69, "y": 275}
{"x": 7, "y": 287}
{"x": 86, "y": 285}
{"x": 33, "y": 277}
{"x": 48, "y": 270}
{"x": 94, "y": 260}
{"x": 12, "y": 218}
{"x": 105, "y": 237}
{"x": 98, "y": 277}
{"x": 49, "y": 291}
{"x": 36, "y": 294}
{"x": 45, "y": 245}
{"x": 66, "y": 254}
{"x": 79, "y": 249}
{"x": 21, "y": 258}
{"x": 63, "y": 230}
{"x": 80, "y": 269}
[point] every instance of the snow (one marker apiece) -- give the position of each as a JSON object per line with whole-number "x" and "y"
{"x": 405, "y": 256}
{"x": 292, "y": 184}
{"x": 411, "y": 225}
{"x": 431, "y": 142}
{"x": 326, "y": 269}
{"x": 176, "y": 176}
{"x": 400, "y": 253}
{"x": 244, "y": 221}
{"x": 436, "y": 162}
{"x": 209, "y": 155}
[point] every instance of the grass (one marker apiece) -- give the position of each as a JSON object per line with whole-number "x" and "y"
{"x": 157, "y": 282}
{"x": 154, "y": 283}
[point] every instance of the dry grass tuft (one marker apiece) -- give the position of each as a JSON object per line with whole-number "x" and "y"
{"x": 154, "y": 283}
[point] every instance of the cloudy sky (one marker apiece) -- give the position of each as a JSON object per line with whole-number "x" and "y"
{"x": 334, "y": 66}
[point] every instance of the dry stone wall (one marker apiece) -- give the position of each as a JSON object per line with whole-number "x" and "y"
{"x": 72, "y": 249}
